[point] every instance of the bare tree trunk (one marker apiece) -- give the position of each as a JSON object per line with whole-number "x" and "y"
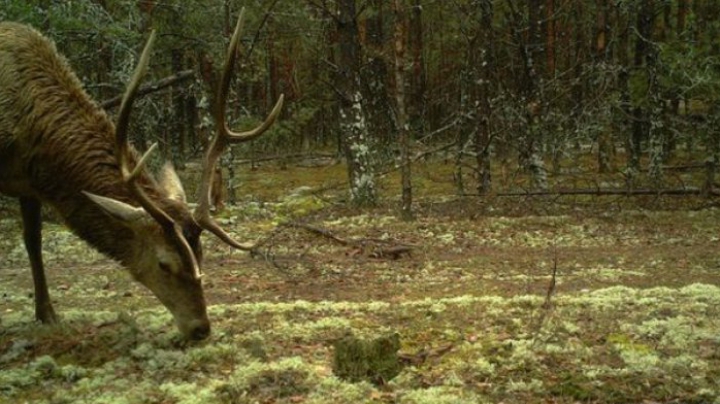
{"x": 484, "y": 110}
{"x": 531, "y": 154}
{"x": 640, "y": 113}
{"x": 330, "y": 115}
{"x": 230, "y": 179}
{"x": 623, "y": 122}
{"x": 417, "y": 102}
{"x": 353, "y": 126}
{"x": 606, "y": 149}
{"x": 402, "y": 122}
{"x": 550, "y": 38}
{"x": 712, "y": 148}
{"x": 657, "y": 124}
{"x": 578, "y": 49}
{"x": 178, "y": 131}
{"x": 682, "y": 6}
{"x": 375, "y": 78}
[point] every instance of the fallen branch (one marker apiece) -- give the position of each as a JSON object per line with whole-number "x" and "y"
{"x": 285, "y": 157}
{"x": 600, "y": 192}
{"x": 317, "y": 231}
{"x": 367, "y": 247}
{"x": 420, "y": 357}
{"x": 370, "y": 247}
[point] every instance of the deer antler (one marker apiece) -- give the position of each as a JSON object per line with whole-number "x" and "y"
{"x": 130, "y": 177}
{"x": 224, "y": 137}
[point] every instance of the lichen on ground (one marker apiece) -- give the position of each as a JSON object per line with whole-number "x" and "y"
{"x": 634, "y": 315}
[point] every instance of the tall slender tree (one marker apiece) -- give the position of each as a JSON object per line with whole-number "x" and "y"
{"x": 485, "y": 92}
{"x": 416, "y": 103}
{"x": 605, "y": 139}
{"x": 644, "y": 64}
{"x": 353, "y": 125}
{"x": 375, "y": 78}
{"x": 530, "y": 47}
{"x": 399, "y": 40}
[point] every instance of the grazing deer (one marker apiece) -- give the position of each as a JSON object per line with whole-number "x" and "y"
{"x": 58, "y": 147}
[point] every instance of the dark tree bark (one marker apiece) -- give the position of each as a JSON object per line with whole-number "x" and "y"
{"x": 644, "y": 61}
{"x": 623, "y": 120}
{"x": 178, "y": 134}
{"x": 402, "y": 121}
{"x": 485, "y": 91}
{"x": 578, "y": 51}
{"x": 375, "y": 75}
{"x": 680, "y": 37}
{"x": 418, "y": 79}
{"x": 530, "y": 53}
{"x": 550, "y": 38}
{"x": 606, "y": 150}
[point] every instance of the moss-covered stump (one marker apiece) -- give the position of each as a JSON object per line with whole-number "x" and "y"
{"x": 375, "y": 360}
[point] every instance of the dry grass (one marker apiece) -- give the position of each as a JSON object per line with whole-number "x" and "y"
{"x": 635, "y": 314}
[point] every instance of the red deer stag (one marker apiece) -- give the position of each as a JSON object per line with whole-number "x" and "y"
{"x": 58, "y": 147}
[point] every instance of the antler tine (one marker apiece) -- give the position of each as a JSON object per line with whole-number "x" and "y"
{"x": 130, "y": 176}
{"x": 123, "y": 119}
{"x": 223, "y": 137}
{"x": 230, "y": 61}
{"x": 121, "y": 139}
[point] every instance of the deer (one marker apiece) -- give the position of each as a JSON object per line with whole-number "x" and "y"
{"x": 59, "y": 148}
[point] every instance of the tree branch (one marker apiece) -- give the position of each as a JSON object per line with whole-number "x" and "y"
{"x": 152, "y": 87}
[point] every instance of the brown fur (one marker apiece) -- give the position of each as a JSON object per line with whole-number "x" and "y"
{"x": 56, "y": 142}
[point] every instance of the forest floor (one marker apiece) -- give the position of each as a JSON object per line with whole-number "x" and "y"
{"x": 632, "y": 314}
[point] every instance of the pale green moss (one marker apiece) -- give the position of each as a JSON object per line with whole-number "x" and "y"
{"x": 40, "y": 371}
{"x": 641, "y": 362}
{"x": 298, "y": 204}
{"x": 574, "y": 349}
{"x": 190, "y": 393}
{"x": 687, "y": 365}
{"x": 213, "y": 353}
{"x": 609, "y": 273}
{"x": 284, "y": 378}
{"x": 441, "y": 395}
{"x": 522, "y": 354}
{"x": 521, "y": 386}
{"x": 483, "y": 368}
{"x": 654, "y": 331}
{"x": 332, "y": 390}
{"x": 309, "y": 330}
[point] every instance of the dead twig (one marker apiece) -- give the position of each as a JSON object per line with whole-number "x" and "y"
{"x": 601, "y": 191}
{"x": 551, "y": 288}
{"x": 366, "y": 247}
{"x": 420, "y": 357}
{"x": 152, "y": 87}
{"x": 547, "y": 305}
{"x": 369, "y": 247}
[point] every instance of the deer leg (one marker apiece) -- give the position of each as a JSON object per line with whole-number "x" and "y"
{"x": 32, "y": 228}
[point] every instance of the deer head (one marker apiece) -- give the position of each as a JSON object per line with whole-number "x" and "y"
{"x": 166, "y": 254}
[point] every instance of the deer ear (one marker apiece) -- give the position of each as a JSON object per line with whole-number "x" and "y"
{"x": 170, "y": 183}
{"x": 117, "y": 209}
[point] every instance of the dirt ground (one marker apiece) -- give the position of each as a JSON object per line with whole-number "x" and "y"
{"x": 631, "y": 314}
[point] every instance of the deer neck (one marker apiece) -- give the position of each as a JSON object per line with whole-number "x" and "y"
{"x": 60, "y": 183}
{"x": 106, "y": 234}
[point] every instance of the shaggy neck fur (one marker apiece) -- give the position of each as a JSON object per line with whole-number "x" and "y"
{"x": 56, "y": 142}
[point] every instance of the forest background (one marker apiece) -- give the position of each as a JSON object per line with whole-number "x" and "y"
{"x": 540, "y": 96}
{"x": 558, "y": 158}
